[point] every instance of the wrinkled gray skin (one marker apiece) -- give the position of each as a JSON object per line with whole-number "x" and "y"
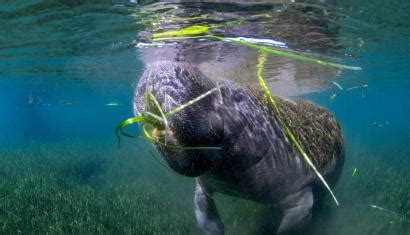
{"x": 256, "y": 160}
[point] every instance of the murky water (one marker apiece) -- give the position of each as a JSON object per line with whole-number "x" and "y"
{"x": 68, "y": 71}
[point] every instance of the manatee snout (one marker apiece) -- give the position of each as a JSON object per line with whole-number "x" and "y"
{"x": 173, "y": 85}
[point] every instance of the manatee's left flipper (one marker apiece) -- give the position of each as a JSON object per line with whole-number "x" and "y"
{"x": 206, "y": 213}
{"x": 296, "y": 209}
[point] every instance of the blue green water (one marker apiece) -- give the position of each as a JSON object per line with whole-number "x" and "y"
{"x": 68, "y": 70}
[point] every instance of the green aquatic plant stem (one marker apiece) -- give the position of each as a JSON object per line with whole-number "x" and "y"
{"x": 193, "y": 30}
{"x": 294, "y": 55}
{"x": 191, "y": 102}
{"x": 176, "y": 147}
{"x": 286, "y": 54}
{"x": 157, "y": 39}
{"x": 400, "y": 216}
{"x": 129, "y": 121}
{"x": 156, "y": 121}
{"x": 152, "y": 98}
{"x": 334, "y": 95}
{"x": 291, "y": 136}
{"x": 190, "y": 30}
{"x": 154, "y": 117}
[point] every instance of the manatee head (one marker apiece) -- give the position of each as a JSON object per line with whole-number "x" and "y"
{"x": 173, "y": 84}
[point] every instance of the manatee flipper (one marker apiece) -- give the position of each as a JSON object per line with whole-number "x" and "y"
{"x": 207, "y": 216}
{"x": 296, "y": 209}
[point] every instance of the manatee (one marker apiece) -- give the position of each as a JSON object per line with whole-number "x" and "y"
{"x": 256, "y": 160}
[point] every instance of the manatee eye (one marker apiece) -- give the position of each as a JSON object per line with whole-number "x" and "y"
{"x": 177, "y": 70}
{"x": 237, "y": 96}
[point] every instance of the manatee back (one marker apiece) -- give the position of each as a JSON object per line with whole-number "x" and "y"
{"x": 316, "y": 129}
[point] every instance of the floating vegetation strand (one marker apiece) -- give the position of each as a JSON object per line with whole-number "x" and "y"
{"x": 334, "y": 95}
{"x": 261, "y": 62}
{"x": 191, "y": 30}
{"x": 338, "y": 85}
{"x": 188, "y": 32}
{"x": 355, "y": 170}
{"x": 400, "y": 216}
{"x": 157, "y": 39}
{"x": 293, "y": 55}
